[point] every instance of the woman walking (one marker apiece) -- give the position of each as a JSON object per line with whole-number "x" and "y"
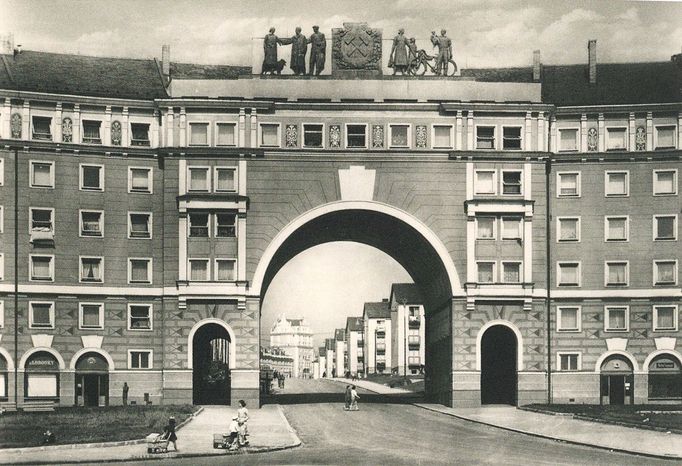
{"x": 354, "y": 399}
{"x": 347, "y": 399}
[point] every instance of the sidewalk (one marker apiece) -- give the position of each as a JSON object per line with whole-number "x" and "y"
{"x": 372, "y": 386}
{"x": 563, "y": 428}
{"x": 268, "y": 428}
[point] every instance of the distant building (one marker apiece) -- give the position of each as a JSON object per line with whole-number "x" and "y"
{"x": 408, "y": 329}
{"x": 296, "y": 339}
{"x": 330, "y": 346}
{"x": 377, "y": 329}
{"x": 355, "y": 346}
{"x": 277, "y": 360}
{"x": 321, "y": 363}
{"x": 341, "y": 354}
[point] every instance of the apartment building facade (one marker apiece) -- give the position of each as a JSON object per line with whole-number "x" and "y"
{"x": 144, "y": 218}
{"x": 408, "y": 330}
{"x": 355, "y": 346}
{"x": 295, "y": 338}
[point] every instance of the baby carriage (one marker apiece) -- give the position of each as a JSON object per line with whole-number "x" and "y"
{"x": 157, "y": 443}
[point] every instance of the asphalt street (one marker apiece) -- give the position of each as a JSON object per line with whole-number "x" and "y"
{"x": 389, "y": 430}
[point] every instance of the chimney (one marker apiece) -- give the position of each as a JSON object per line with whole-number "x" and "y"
{"x": 165, "y": 62}
{"x": 537, "y": 64}
{"x": 592, "y": 60}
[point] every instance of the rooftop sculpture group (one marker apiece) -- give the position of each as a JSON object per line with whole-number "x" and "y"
{"x": 357, "y": 52}
{"x": 299, "y": 49}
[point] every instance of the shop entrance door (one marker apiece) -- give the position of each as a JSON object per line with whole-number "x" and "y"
{"x": 616, "y": 389}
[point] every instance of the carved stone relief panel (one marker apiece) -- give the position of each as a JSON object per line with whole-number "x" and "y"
{"x": 640, "y": 138}
{"x": 377, "y": 137}
{"x": 592, "y": 140}
{"x": 15, "y": 125}
{"x": 116, "y": 133}
{"x": 421, "y": 136}
{"x": 335, "y": 136}
{"x": 67, "y": 130}
{"x": 291, "y": 136}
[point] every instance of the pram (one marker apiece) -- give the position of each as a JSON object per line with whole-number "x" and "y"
{"x": 157, "y": 443}
{"x": 229, "y": 441}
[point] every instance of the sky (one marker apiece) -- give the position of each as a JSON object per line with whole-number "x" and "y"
{"x": 486, "y": 33}
{"x": 327, "y": 283}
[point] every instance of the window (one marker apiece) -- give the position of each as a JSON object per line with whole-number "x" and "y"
{"x": 485, "y": 228}
{"x": 568, "y": 319}
{"x": 616, "y": 228}
{"x": 91, "y": 316}
{"x": 356, "y": 136}
{"x": 665, "y": 227}
{"x": 616, "y": 273}
{"x": 225, "y": 270}
{"x": 484, "y": 182}
{"x": 400, "y": 135}
{"x": 140, "y": 134}
{"x": 511, "y": 138}
{"x": 41, "y": 128}
{"x": 616, "y": 318}
{"x": 2, "y": 171}
{"x": 665, "y": 272}
{"x": 42, "y": 268}
{"x": 226, "y": 134}
{"x": 2, "y": 219}
{"x": 511, "y": 272}
{"x": 485, "y": 137}
{"x": 568, "y": 229}
{"x": 92, "y": 223}
{"x": 486, "y": 272}
{"x": 91, "y": 269}
{"x": 198, "y": 269}
{"x": 140, "y": 270}
{"x": 92, "y": 177}
{"x": 226, "y": 225}
{"x": 91, "y": 134}
{"x": 568, "y": 139}
{"x": 511, "y": 182}
{"x": 617, "y": 183}
{"x": 665, "y": 182}
{"x": 665, "y": 318}
{"x": 198, "y": 179}
{"x": 568, "y": 273}
{"x": 269, "y": 135}
{"x": 442, "y": 136}
{"x": 225, "y": 179}
{"x": 616, "y": 139}
{"x": 139, "y": 225}
{"x": 42, "y": 174}
{"x": 569, "y": 361}
{"x": 2, "y": 322}
{"x": 198, "y": 225}
{"x": 568, "y": 184}
{"x": 140, "y": 359}
{"x": 41, "y": 220}
{"x": 511, "y": 228}
{"x": 198, "y": 134}
{"x": 41, "y": 314}
{"x": 313, "y": 135}
{"x": 664, "y": 137}
{"x": 139, "y": 316}
{"x": 139, "y": 180}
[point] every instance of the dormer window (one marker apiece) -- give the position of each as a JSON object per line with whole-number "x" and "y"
{"x": 91, "y": 132}
{"x": 140, "y": 134}
{"x": 42, "y": 128}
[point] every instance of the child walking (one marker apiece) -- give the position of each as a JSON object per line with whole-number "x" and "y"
{"x": 169, "y": 432}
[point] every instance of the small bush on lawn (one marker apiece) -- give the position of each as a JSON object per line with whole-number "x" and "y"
{"x": 88, "y": 425}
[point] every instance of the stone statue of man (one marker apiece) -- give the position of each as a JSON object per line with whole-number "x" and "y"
{"x": 299, "y": 47}
{"x": 444, "y": 56}
{"x": 318, "y": 50}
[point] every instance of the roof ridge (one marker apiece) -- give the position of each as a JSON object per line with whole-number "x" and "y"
{"x": 108, "y": 57}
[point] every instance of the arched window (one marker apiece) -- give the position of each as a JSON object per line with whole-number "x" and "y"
{"x": 41, "y": 379}
{"x": 665, "y": 378}
{"x": 3, "y": 378}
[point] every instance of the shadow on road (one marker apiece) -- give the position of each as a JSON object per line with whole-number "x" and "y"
{"x": 310, "y": 398}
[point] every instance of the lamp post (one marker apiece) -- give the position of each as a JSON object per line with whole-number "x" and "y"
{"x": 404, "y": 305}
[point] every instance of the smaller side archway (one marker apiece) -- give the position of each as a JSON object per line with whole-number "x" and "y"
{"x": 211, "y": 345}
{"x": 223, "y": 324}
{"x": 616, "y": 377}
{"x": 99, "y": 351}
{"x": 519, "y": 340}
{"x": 607, "y": 354}
{"x": 653, "y": 355}
{"x": 498, "y": 353}
{"x": 664, "y": 376}
{"x": 8, "y": 359}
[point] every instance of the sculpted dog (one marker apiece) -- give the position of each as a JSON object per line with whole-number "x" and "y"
{"x": 272, "y": 69}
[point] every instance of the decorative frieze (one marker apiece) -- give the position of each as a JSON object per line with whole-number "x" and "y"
{"x": 421, "y": 136}
{"x": 291, "y": 136}
{"x": 116, "y": 133}
{"x": 640, "y": 138}
{"x": 67, "y": 130}
{"x": 15, "y": 126}
{"x": 334, "y": 136}
{"x": 592, "y": 140}
{"x": 377, "y": 137}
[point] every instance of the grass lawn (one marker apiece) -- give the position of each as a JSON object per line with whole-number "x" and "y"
{"x": 664, "y": 417}
{"x": 86, "y": 425}
{"x": 415, "y": 382}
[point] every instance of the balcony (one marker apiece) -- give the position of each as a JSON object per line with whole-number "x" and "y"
{"x": 414, "y": 322}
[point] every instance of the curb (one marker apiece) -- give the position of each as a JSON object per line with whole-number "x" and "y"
{"x": 73, "y": 446}
{"x": 292, "y": 432}
{"x": 547, "y": 437}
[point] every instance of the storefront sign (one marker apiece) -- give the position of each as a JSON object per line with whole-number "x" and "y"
{"x": 42, "y": 362}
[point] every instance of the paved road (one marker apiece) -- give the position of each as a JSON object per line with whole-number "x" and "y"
{"x": 385, "y": 431}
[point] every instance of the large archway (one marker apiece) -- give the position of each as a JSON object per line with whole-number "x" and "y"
{"x": 499, "y": 376}
{"x": 400, "y": 235}
{"x": 211, "y": 354}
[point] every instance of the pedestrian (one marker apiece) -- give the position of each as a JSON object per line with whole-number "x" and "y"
{"x": 347, "y": 399}
{"x": 242, "y": 419}
{"x": 231, "y": 440}
{"x": 169, "y": 432}
{"x": 354, "y": 399}
{"x": 125, "y": 393}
